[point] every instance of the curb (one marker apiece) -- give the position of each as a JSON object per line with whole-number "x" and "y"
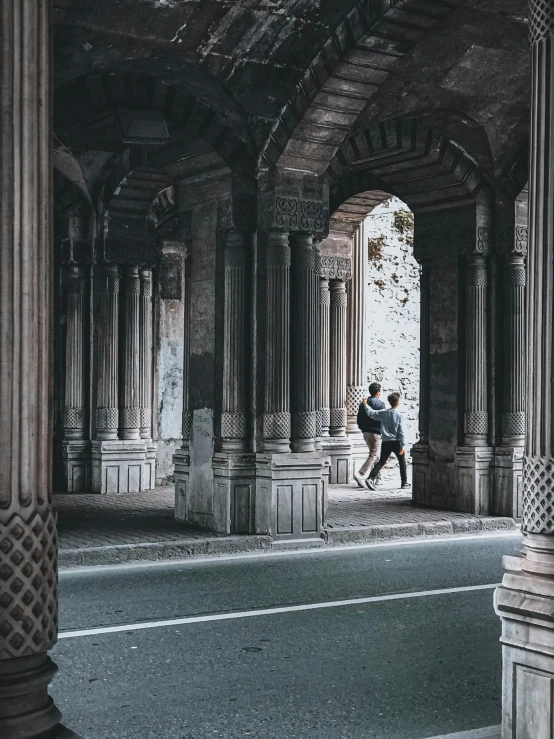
{"x": 384, "y": 532}
{"x": 162, "y": 550}
{"x": 225, "y": 545}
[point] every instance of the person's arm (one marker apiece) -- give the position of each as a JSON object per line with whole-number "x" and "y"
{"x": 401, "y": 434}
{"x": 370, "y": 412}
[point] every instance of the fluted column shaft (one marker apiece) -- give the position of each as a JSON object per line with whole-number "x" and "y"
{"x": 538, "y": 476}
{"x": 356, "y": 347}
{"x": 325, "y": 346}
{"x": 515, "y": 386}
{"x": 186, "y": 351}
{"x": 305, "y": 305}
{"x": 74, "y": 405}
{"x": 107, "y": 400}
{"x": 337, "y": 385}
{"x": 145, "y": 354}
{"x": 277, "y": 422}
{"x": 476, "y": 413}
{"x": 234, "y": 425}
{"x": 424, "y": 353}
{"x": 28, "y": 581}
{"x": 130, "y": 409}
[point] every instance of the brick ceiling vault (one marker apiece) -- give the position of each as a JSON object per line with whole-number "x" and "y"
{"x": 423, "y": 169}
{"x": 357, "y": 58}
{"x": 85, "y": 116}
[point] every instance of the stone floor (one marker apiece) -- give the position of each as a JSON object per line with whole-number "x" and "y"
{"x": 86, "y": 521}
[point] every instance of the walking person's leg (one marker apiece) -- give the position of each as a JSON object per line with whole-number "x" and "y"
{"x": 373, "y": 442}
{"x": 402, "y": 464}
{"x": 385, "y": 454}
{"x": 367, "y": 465}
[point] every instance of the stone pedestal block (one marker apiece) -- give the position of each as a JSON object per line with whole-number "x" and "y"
{"x": 119, "y": 467}
{"x": 359, "y": 451}
{"x": 181, "y": 461}
{"x": 339, "y": 452}
{"x": 150, "y": 466}
{"x": 474, "y": 475}
{"x": 421, "y": 483}
{"x": 234, "y": 492}
{"x": 289, "y": 495}
{"x": 76, "y": 457}
{"x": 508, "y": 488}
{"x": 525, "y": 603}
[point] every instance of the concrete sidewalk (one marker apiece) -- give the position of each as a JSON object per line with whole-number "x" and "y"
{"x": 112, "y": 529}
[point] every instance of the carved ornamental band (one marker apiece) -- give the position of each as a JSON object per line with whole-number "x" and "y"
{"x": 538, "y": 495}
{"x": 541, "y": 20}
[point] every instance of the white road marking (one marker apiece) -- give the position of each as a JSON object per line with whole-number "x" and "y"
{"x": 491, "y": 732}
{"x": 343, "y": 549}
{"x": 268, "y": 611}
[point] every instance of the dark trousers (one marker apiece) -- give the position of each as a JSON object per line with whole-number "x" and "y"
{"x": 388, "y": 448}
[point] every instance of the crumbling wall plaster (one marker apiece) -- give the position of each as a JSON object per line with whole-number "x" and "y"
{"x": 393, "y": 299}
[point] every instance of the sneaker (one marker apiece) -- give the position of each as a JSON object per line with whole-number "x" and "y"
{"x": 370, "y": 484}
{"x": 405, "y": 485}
{"x": 360, "y": 480}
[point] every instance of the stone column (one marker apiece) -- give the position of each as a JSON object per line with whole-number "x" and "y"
{"x": 234, "y": 425}
{"x": 181, "y": 458}
{"x": 356, "y": 348}
{"x": 515, "y": 385}
{"x": 325, "y": 344}
{"x": 420, "y": 450}
{"x": 338, "y": 358}
{"x": 305, "y": 304}
{"x": 525, "y": 601}
{"x": 276, "y": 421}
{"x": 28, "y": 581}
{"x": 145, "y": 354}
{"x": 107, "y": 400}
{"x": 475, "y": 458}
{"x": 476, "y": 419}
{"x": 74, "y": 406}
{"x": 424, "y": 353}
{"x": 130, "y": 409}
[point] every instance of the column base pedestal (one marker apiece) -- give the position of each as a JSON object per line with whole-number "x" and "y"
{"x": 474, "y": 478}
{"x": 76, "y": 458}
{"x": 421, "y": 483}
{"x": 181, "y": 462}
{"x": 525, "y": 604}
{"x": 121, "y": 466}
{"x": 233, "y": 492}
{"x": 26, "y": 710}
{"x": 508, "y": 488}
{"x": 359, "y": 452}
{"x": 339, "y": 451}
{"x": 290, "y": 495}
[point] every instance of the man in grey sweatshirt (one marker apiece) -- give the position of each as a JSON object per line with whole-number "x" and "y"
{"x": 393, "y": 438}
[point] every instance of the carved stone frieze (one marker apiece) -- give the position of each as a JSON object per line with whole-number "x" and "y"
{"x": 512, "y": 239}
{"x": 337, "y": 268}
{"x": 295, "y": 214}
{"x": 484, "y": 240}
{"x": 140, "y": 252}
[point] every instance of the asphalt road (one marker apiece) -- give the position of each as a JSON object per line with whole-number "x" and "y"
{"x": 306, "y": 666}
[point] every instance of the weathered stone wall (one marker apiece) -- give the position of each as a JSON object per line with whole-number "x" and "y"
{"x": 393, "y": 309}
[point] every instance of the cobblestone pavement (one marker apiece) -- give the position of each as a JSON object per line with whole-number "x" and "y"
{"x": 350, "y": 506}
{"x": 110, "y": 520}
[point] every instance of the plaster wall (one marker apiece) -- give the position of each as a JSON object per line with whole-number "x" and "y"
{"x": 393, "y": 299}
{"x": 169, "y": 386}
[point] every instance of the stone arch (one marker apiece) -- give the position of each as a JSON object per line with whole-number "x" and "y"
{"x": 422, "y": 168}
{"x": 356, "y": 59}
{"x": 90, "y": 104}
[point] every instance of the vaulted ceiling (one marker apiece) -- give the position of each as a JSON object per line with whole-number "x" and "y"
{"x": 290, "y": 81}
